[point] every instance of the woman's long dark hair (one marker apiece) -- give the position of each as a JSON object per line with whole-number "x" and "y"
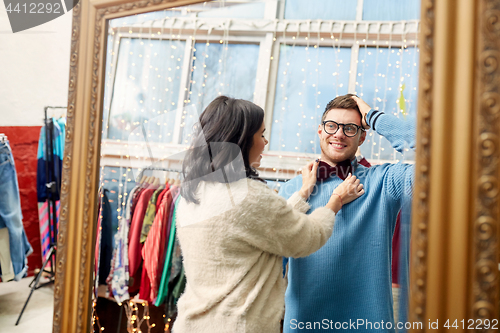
{"x": 225, "y": 130}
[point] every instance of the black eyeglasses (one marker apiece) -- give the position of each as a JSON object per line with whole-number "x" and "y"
{"x": 350, "y": 130}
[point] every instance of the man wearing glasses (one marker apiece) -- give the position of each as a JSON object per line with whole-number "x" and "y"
{"x": 346, "y": 285}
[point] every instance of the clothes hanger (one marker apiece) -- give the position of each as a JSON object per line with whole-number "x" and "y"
{"x": 178, "y": 180}
{"x": 156, "y": 181}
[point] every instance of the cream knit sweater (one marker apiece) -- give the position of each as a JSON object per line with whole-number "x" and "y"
{"x": 233, "y": 243}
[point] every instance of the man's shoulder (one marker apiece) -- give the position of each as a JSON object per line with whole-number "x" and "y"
{"x": 380, "y": 170}
{"x": 290, "y": 187}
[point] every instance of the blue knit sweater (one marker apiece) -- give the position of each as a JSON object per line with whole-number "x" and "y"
{"x": 346, "y": 285}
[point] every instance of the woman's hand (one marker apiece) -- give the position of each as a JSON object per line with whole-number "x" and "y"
{"x": 309, "y": 173}
{"x": 349, "y": 190}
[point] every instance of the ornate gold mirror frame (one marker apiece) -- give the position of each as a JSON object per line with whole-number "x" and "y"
{"x": 455, "y": 251}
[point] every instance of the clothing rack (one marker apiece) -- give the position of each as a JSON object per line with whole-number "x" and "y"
{"x": 53, "y": 188}
{"x": 283, "y": 180}
{"x": 155, "y": 169}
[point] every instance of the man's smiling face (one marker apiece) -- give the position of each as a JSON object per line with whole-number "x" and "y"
{"x": 338, "y": 147}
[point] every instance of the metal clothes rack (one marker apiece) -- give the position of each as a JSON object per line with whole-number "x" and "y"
{"x": 283, "y": 180}
{"x": 53, "y": 189}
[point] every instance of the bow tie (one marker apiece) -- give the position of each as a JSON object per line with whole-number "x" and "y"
{"x": 341, "y": 170}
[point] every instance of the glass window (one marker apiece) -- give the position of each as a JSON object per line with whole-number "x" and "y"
{"x": 391, "y": 10}
{"x": 308, "y": 78}
{"x": 146, "y": 88}
{"x": 387, "y": 80}
{"x": 320, "y": 9}
{"x": 219, "y": 69}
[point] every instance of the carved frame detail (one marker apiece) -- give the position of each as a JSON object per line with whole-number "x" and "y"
{"x": 420, "y": 208}
{"x": 61, "y": 257}
{"x": 486, "y": 256}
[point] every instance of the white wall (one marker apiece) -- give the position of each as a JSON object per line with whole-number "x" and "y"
{"x": 34, "y": 69}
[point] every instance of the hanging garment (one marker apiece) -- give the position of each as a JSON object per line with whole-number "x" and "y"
{"x": 177, "y": 281}
{"x": 5, "y": 262}
{"x": 150, "y": 215}
{"x": 163, "y": 290}
{"x": 154, "y": 245}
{"x": 118, "y": 278}
{"x": 97, "y": 255}
{"x": 11, "y": 215}
{"x": 55, "y": 173}
{"x": 178, "y": 287}
{"x": 106, "y": 239}
{"x": 165, "y": 234}
{"x": 43, "y": 217}
{"x": 135, "y": 246}
{"x": 145, "y": 287}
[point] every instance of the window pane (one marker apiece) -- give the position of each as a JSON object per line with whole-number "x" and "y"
{"x": 391, "y": 10}
{"x": 146, "y": 87}
{"x": 381, "y": 75}
{"x": 320, "y": 9}
{"x": 308, "y": 78}
{"x": 219, "y": 70}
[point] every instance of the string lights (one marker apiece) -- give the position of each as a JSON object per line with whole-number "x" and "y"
{"x": 134, "y": 319}
{"x": 154, "y": 64}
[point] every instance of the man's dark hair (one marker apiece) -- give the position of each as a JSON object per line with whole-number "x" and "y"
{"x": 225, "y": 130}
{"x": 341, "y": 102}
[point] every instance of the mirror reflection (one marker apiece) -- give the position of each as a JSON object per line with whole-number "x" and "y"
{"x": 295, "y": 60}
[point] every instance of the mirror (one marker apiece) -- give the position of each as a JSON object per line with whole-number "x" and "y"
{"x": 162, "y": 70}
{"x": 155, "y": 67}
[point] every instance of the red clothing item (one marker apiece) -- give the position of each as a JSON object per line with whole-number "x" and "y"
{"x": 136, "y": 197}
{"x": 134, "y": 237}
{"x": 147, "y": 253}
{"x": 151, "y": 250}
{"x": 160, "y": 196}
{"x": 395, "y": 237}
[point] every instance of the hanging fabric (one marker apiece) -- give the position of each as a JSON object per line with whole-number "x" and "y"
{"x": 118, "y": 278}
{"x": 14, "y": 262}
{"x": 163, "y": 291}
{"x": 44, "y": 174}
{"x": 146, "y": 261}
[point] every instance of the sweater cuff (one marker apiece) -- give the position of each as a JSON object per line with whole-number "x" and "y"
{"x": 298, "y": 202}
{"x": 372, "y": 117}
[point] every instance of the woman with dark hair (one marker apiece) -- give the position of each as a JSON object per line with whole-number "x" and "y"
{"x": 233, "y": 230}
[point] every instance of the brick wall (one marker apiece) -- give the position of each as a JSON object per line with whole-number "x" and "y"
{"x": 24, "y": 143}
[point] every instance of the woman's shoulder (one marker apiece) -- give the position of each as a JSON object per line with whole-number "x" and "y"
{"x": 227, "y": 200}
